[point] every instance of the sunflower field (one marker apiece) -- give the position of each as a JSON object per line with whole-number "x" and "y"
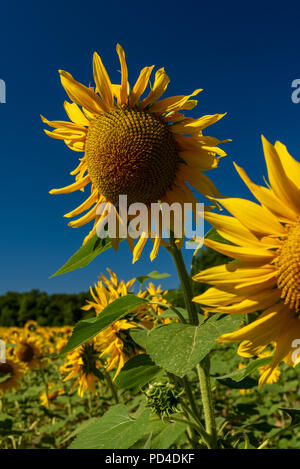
{"x": 110, "y": 393}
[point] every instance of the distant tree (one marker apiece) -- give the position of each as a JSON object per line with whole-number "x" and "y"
{"x": 48, "y": 310}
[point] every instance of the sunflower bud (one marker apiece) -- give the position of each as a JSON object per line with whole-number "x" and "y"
{"x": 162, "y": 398}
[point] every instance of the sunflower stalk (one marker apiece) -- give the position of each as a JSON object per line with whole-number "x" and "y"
{"x": 210, "y": 436}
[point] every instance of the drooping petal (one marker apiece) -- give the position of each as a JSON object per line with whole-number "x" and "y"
{"x": 124, "y": 77}
{"x": 80, "y": 94}
{"x": 140, "y": 85}
{"x": 103, "y": 82}
{"x": 72, "y": 187}
{"x": 160, "y": 85}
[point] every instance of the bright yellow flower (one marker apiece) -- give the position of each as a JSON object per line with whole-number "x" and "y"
{"x": 107, "y": 291}
{"x": 31, "y": 326}
{"x": 133, "y": 145}
{"x": 10, "y": 374}
{"x": 116, "y": 345}
{"x": 266, "y": 273}
{"x": 29, "y": 349}
{"x": 82, "y": 364}
{"x": 275, "y": 375}
{"x": 54, "y": 390}
{"x": 114, "y": 342}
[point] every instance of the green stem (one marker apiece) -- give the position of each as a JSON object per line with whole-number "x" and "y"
{"x": 207, "y": 402}
{"x": 203, "y": 367}
{"x": 185, "y": 281}
{"x": 111, "y": 386}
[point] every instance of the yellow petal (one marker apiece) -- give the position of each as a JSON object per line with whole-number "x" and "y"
{"x": 139, "y": 247}
{"x": 201, "y": 159}
{"x": 290, "y": 165}
{"x": 75, "y": 114}
{"x": 174, "y": 103}
{"x": 102, "y": 81}
{"x": 66, "y": 134}
{"x": 80, "y": 94}
{"x": 155, "y": 249}
{"x": 231, "y": 229}
{"x": 216, "y": 297}
{"x": 253, "y": 216}
{"x": 140, "y": 85}
{"x": 160, "y": 85}
{"x": 72, "y": 187}
{"x": 84, "y": 206}
{"x": 231, "y": 274}
{"x": 124, "y": 78}
{"x": 260, "y": 301}
{"x": 199, "y": 181}
{"x": 283, "y": 187}
{"x": 249, "y": 254}
{"x": 64, "y": 125}
{"x": 192, "y": 126}
{"x": 267, "y": 198}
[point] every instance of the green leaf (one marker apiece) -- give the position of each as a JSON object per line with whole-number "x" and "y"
{"x": 293, "y": 413}
{"x": 6, "y": 421}
{"x": 246, "y": 383}
{"x": 88, "y": 328}
{"x": 171, "y": 313}
{"x": 168, "y": 436}
{"x": 115, "y": 430}
{"x": 138, "y": 371}
{"x": 180, "y": 347}
{"x": 155, "y": 275}
{"x": 215, "y": 236}
{"x": 84, "y": 255}
{"x": 139, "y": 336}
{"x": 239, "y": 375}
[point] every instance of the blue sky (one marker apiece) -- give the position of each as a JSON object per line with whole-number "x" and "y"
{"x": 244, "y": 57}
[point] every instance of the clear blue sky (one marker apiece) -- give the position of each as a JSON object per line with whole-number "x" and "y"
{"x": 244, "y": 57}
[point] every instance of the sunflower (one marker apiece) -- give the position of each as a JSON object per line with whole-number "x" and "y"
{"x": 83, "y": 364}
{"x": 29, "y": 349}
{"x": 116, "y": 345}
{"x": 114, "y": 342}
{"x": 265, "y": 275}
{"x": 107, "y": 291}
{"x": 11, "y": 373}
{"x": 275, "y": 375}
{"x": 134, "y": 145}
{"x": 54, "y": 391}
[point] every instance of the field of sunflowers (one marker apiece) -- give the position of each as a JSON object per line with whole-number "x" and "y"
{"x": 50, "y": 399}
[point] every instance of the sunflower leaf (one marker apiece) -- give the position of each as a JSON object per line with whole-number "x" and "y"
{"x": 88, "y": 328}
{"x": 155, "y": 275}
{"x": 115, "y": 430}
{"x": 180, "y": 347}
{"x": 239, "y": 375}
{"x": 84, "y": 255}
{"x": 245, "y": 383}
{"x": 137, "y": 372}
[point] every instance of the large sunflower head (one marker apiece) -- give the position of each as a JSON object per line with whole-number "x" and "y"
{"x": 264, "y": 239}
{"x": 134, "y": 144}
